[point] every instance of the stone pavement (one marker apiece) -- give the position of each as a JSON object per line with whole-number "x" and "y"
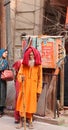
{"x": 7, "y": 123}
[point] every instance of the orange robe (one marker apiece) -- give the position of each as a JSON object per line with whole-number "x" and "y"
{"x": 29, "y": 88}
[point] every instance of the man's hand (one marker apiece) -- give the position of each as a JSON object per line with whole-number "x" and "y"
{"x": 23, "y": 77}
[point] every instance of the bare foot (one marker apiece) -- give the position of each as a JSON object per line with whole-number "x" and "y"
{"x": 31, "y": 126}
{"x": 19, "y": 126}
{"x": 17, "y": 121}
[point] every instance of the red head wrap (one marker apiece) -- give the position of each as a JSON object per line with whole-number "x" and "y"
{"x": 37, "y": 56}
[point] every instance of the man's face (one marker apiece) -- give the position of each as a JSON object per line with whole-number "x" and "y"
{"x": 31, "y": 56}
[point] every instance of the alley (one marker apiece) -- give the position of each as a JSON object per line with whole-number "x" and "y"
{"x": 43, "y": 25}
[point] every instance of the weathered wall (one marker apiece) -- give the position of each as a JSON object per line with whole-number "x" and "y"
{"x": 26, "y": 16}
{"x": 10, "y": 99}
{"x": 2, "y": 25}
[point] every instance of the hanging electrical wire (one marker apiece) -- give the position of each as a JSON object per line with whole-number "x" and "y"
{"x": 33, "y": 23}
{"x": 52, "y": 26}
{"x": 29, "y": 4}
{"x": 27, "y": 20}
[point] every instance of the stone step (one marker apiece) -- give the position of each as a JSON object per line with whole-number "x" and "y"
{"x": 65, "y": 107}
{"x": 57, "y": 121}
{"x": 9, "y": 112}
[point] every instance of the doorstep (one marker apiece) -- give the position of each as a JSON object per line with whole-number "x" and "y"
{"x": 56, "y": 121}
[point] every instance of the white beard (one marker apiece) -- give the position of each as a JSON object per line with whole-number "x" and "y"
{"x": 31, "y": 63}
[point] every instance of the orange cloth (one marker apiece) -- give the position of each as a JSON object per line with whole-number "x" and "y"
{"x": 29, "y": 88}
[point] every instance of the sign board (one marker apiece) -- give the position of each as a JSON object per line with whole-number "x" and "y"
{"x": 46, "y": 49}
{"x": 48, "y": 46}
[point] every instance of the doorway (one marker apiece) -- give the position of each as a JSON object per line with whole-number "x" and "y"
{"x": 66, "y": 82}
